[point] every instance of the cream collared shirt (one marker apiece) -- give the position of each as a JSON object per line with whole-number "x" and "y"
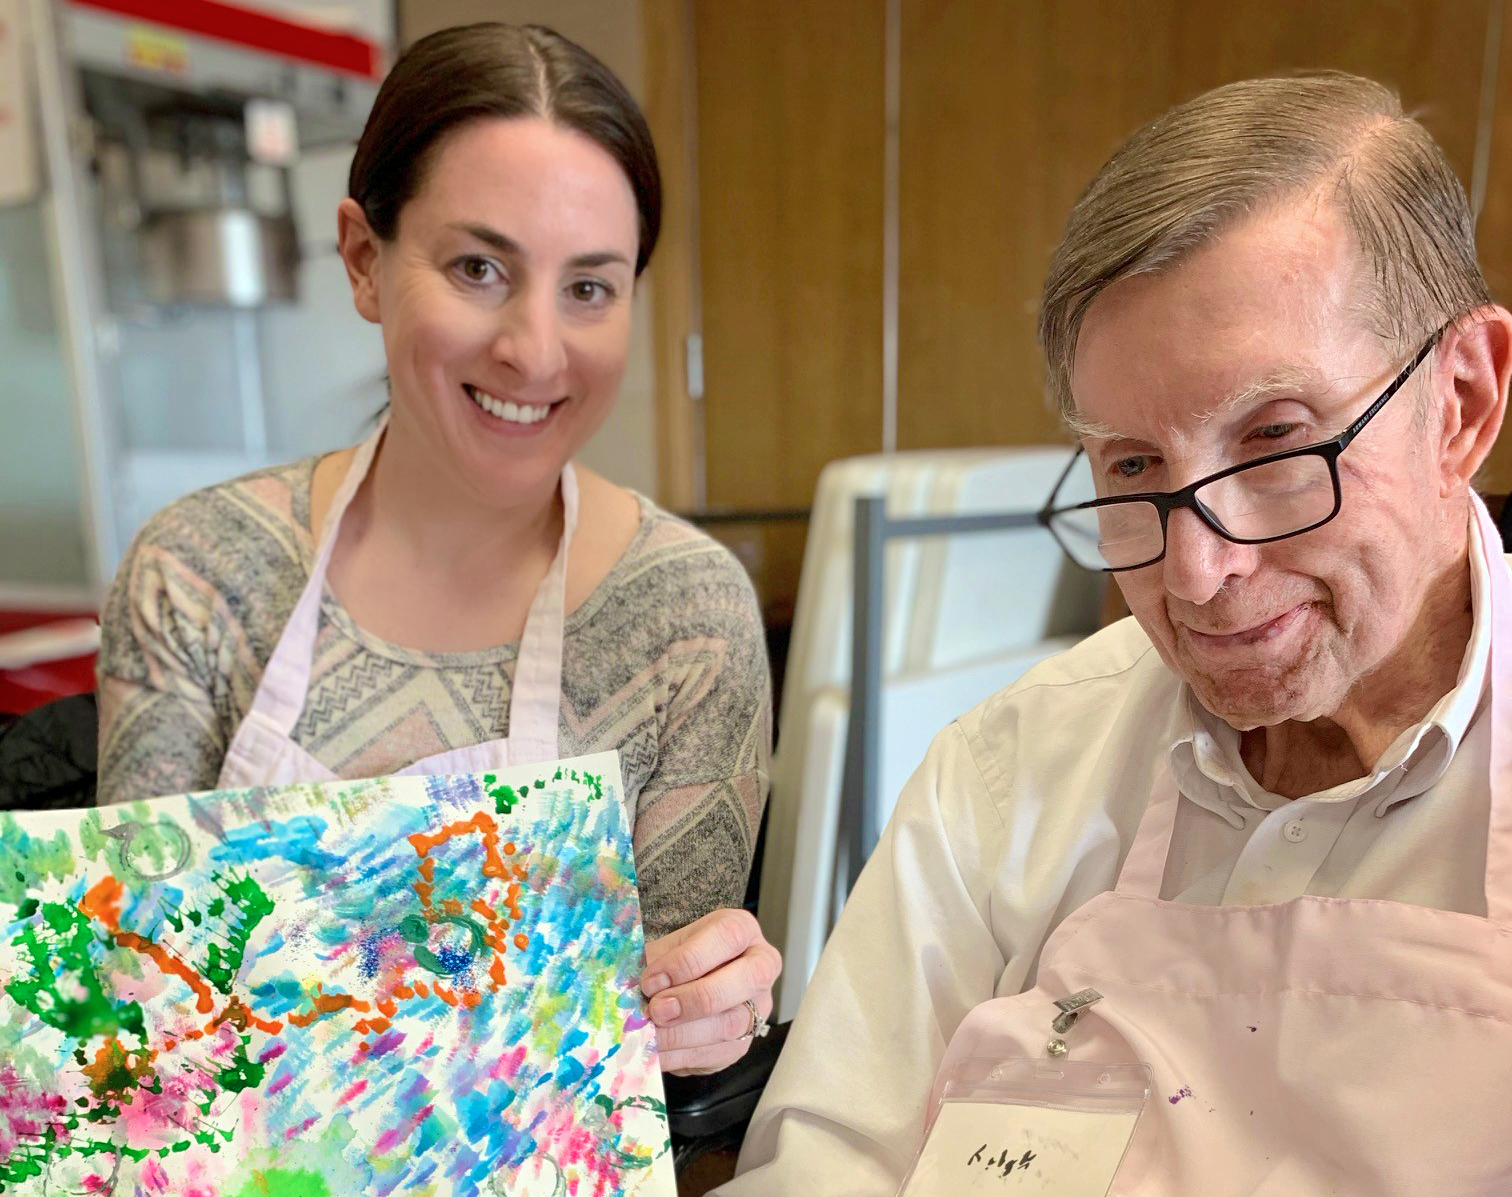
{"x": 1021, "y": 812}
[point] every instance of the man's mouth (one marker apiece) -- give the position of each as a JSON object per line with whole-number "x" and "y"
{"x": 1245, "y": 637}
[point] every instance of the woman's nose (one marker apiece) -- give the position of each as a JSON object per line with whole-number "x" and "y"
{"x": 531, "y": 340}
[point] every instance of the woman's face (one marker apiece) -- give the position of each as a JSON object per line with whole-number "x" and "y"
{"x": 504, "y": 299}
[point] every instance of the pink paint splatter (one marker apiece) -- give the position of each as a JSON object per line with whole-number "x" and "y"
{"x": 26, "y": 1113}
{"x": 392, "y": 1138}
{"x": 508, "y": 1064}
{"x": 1184, "y": 1091}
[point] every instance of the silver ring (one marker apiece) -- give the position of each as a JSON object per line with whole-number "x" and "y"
{"x": 759, "y": 1026}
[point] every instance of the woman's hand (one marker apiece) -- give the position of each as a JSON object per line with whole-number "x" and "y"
{"x": 698, "y": 980}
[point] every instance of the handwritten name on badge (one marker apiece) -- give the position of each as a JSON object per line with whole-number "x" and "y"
{"x": 1004, "y": 1161}
{"x": 994, "y": 1147}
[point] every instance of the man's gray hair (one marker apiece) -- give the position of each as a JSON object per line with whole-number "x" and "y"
{"x": 1189, "y": 176}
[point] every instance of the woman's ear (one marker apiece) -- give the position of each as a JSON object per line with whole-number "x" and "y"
{"x": 359, "y": 248}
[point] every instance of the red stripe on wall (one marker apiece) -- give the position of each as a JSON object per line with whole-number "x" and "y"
{"x": 210, "y": 18}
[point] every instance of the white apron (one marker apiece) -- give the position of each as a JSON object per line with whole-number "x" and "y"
{"x": 263, "y": 752}
{"x": 1320, "y": 1045}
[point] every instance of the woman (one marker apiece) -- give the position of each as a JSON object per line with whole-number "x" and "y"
{"x": 453, "y": 595}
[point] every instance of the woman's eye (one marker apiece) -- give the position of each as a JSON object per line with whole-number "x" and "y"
{"x": 1130, "y": 467}
{"x": 590, "y": 291}
{"x": 1275, "y": 432}
{"x": 478, "y": 270}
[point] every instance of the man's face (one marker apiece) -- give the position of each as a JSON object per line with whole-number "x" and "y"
{"x": 1256, "y": 344}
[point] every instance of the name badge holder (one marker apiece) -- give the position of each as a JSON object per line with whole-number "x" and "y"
{"x": 1048, "y": 1126}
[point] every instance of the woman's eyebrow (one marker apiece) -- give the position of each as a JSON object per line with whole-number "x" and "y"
{"x": 604, "y": 257}
{"x": 512, "y": 248}
{"x": 490, "y": 237}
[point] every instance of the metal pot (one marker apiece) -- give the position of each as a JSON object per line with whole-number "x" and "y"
{"x": 231, "y": 257}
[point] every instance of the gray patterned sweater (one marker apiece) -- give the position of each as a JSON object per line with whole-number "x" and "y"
{"x": 665, "y": 662}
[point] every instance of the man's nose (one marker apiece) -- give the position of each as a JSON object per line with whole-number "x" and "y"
{"x": 1198, "y": 561}
{"x": 531, "y": 342}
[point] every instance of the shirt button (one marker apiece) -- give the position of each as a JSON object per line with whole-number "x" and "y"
{"x": 1295, "y": 831}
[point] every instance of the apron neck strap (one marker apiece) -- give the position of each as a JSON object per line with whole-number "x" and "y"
{"x": 286, "y": 679}
{"x": 1498, "y": 609}
{"x": 1143, "y": 870}
{"x": 536, "y": 696}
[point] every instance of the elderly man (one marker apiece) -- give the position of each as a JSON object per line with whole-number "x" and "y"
{"x": 1267, "y": 821}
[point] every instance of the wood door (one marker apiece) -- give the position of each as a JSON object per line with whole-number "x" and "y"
{"x": 789, "y": 171}
{"x": 1009, "y": 109}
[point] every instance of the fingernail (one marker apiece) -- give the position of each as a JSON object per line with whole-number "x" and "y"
{"x": 665, "y": 1010}
{"x": 651, "y": 986}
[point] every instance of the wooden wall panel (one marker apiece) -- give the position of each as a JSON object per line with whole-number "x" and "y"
{"x": 789, "y": 167}
{"x": 1009, "y": 109}
{"x": 670, "y": 107}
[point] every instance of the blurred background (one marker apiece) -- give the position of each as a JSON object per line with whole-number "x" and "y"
{"x": 862, "y": 197}
{"x": 861, "y": 200}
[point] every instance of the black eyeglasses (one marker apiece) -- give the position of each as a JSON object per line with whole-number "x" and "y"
{"x": 1268, "y": 499}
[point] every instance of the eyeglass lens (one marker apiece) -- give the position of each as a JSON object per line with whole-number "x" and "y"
{"x": 1275, "y": 499}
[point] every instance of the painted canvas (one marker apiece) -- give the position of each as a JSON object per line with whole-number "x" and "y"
{"x": 417, "y": 986}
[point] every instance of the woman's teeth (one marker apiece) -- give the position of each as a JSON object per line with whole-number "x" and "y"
{"x": 513, "y": 412}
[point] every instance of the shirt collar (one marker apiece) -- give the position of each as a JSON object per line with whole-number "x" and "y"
{"x": 1206, "y": 762}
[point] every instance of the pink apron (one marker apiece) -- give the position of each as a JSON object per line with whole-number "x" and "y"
{"x": 263, "y": 751}
{"x": 1320, "y": 1045}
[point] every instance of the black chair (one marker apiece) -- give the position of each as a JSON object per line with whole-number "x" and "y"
{"x": 47, "y": 757}
{"x": 48, "y": 762}
{"x": 1500, "y": 507}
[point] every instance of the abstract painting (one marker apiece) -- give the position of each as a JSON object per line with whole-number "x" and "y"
{"x": 411, "y": 985}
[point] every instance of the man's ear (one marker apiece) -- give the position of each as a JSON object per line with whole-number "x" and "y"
{"x": 359, "y": 247}
{"x": 1473, "y": 367}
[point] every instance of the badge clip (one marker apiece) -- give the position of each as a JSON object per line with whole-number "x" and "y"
{"x": 1071, "y": 1008}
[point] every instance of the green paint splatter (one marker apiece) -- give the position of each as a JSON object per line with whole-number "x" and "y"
{"x": 253, "y": 905}
{"x": 284, "y": 1182}
{"x": 594, "y": 781}
{"x": 242, "y": 1072}
{"x": 26, "y": 860}
{"x": 65, "y": 990}
{"x": 505, "y": 797}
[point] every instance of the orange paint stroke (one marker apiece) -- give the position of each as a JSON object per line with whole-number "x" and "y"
{"x": 170, "y": 965}
{"x": 496, "y": 972}
{"x": 329, "y": 1003}
{"x": 103, "y": 902}
{"x": 481, "y": 823}
{"x": 522, "y": 942}
{"x": 445, "y": 994}
{"x": 241, "y": 1016}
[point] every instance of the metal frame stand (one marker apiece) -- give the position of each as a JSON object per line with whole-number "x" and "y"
{"x": 859, "y": 808}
